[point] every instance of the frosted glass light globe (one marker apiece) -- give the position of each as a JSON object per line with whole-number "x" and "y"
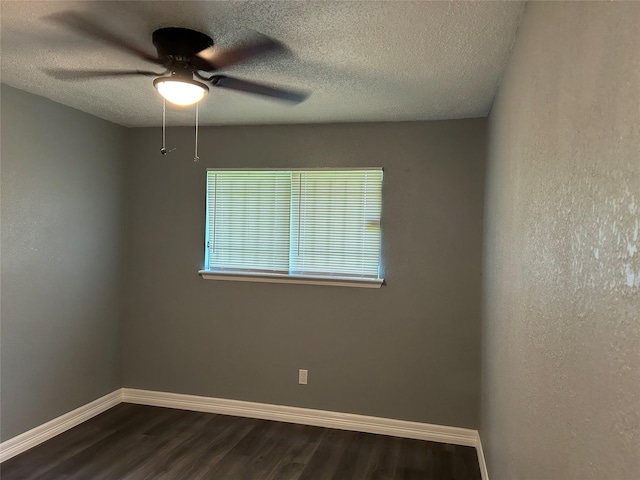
{"x": 181, "y": 92}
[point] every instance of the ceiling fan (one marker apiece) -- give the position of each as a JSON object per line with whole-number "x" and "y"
{"x": 189, "y": 60}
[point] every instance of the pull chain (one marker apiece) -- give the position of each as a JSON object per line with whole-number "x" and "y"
{"x": 196, "y": 157}
{"x": 163, "y": 150}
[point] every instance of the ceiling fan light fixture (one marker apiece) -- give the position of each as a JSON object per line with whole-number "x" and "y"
{"x": 182, "y": 91}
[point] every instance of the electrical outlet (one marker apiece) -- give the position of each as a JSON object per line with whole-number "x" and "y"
{"x": 302, "y": 376}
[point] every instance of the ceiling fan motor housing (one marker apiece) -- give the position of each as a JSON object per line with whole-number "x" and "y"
{"x": 175, "y": 44}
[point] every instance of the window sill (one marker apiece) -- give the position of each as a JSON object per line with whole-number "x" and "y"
{"x": 299, "y": 279}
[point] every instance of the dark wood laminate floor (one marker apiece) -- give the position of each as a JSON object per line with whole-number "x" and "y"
{"x": 136, "y": 442}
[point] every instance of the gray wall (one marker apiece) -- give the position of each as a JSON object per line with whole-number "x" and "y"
{"x": 409, "y": 350}
{"x": 61, "y": 245}
{"x": 561, "y": 328}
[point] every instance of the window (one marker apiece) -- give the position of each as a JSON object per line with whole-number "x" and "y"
{"x": 295, "y": 226}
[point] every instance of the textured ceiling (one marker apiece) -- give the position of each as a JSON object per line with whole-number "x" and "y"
{"x": 361, "y": 61}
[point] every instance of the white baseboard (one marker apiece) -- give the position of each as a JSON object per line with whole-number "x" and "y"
{"x": 305, "y": 416}
{"x": 481, "y": 461}
{"x": 281, "y": 413}
{"x": 29, "y": 439}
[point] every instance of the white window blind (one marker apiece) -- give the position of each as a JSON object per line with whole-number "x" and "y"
{"x": 302, "y": 223}
{"x": 335, "y": 223}
{"x": 248, "y": 220}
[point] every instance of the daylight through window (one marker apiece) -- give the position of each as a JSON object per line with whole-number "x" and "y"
{"x": 290, "y": 225}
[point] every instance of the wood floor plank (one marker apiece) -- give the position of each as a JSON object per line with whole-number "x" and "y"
{"x": 38, "y": 460}
{"x": 384, "y": 457}
{"x": 355, "y": 457}
{"x": 210, "y": 446}
{"x": 136, "y": 442}
{"x": 325, "y": 461}
{"x": 303, "y": 441}
{"x": 94, "y": 460}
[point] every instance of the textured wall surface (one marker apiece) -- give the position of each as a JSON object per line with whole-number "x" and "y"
{"x": 61, "y": 246}
{"x": 409, "y": 350}
{"x": 561, "y": 329}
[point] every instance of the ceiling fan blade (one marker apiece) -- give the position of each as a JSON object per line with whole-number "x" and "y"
{"x": 86, "y": 26}
{"x": 82, "y": 74}
{"x": 215, "y": 59}
{"x": 231, "y": 83}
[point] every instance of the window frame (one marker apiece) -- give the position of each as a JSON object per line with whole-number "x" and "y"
{"x": 309, "y": 279}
